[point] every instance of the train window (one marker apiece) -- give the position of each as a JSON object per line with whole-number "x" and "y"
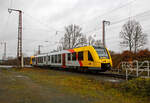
{"x": 74, "y": 56}
{"x": 33, "y": 59}
{"x": 56, "y": 59}
{"x": 90, "y": 58}
{"x": 49, "y": 58}
{"x": 80, "y": 55}
{"x": 102, "y": 53}
{"x": 44, "y": 58}
{"x": 52, "y": 58}
{"x": 59, "y": 58}
{"x": 41, "y": 61}
{"x": 69, "y": 56}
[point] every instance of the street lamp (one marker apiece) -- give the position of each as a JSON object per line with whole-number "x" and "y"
{"x": 103, "y": 31}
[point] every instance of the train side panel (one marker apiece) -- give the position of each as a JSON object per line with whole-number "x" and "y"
{"x": 89, "y": 63}
{"x": 83, "y": 57}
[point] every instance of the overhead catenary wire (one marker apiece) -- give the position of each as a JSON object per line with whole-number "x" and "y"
{"x": 114, "y": 10}
{"x": 44, "y": 27}
{"x": 11, "y": 3}
{"x": 112, "y": 23}
{"x": 135, "y": 16}
{"x": 139, "y": 15}
{"x": 42, "y": 23}
{"x": 111, "y": 11}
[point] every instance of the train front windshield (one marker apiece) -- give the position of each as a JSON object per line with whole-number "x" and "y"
{"x": 102, "y": 53}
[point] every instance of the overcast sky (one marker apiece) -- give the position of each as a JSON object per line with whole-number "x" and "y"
{"x": 42, "y": 18}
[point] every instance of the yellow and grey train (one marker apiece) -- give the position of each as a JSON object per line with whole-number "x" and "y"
{"x": 84, "y": 58}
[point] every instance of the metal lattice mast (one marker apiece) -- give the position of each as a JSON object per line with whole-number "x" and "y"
{"x": 19, "y": 47}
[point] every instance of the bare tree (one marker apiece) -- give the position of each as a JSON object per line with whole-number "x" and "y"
{"x": 90, "y": 40}
{"x": 82, "y": 41}
{"x": 98, "y": 43}
{"x": 73, "y": 37}
{"x": 140, "y": 38}
{"x": 62, "y": 45}
{"x": 132, "y": 36}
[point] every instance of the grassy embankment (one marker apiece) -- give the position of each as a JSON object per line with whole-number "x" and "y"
{"x": 134, "y": 91}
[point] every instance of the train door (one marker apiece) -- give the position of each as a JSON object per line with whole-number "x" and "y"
{"x": 90, "y": 60}
{"x": 85, "y": 58}
{"x": 64, "y": 60}
{"x": 36, "y": 60}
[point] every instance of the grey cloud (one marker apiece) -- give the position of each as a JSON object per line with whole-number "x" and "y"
{"x": 55, "y": 14}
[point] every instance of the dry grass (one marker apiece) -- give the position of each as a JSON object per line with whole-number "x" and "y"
{"x": 74, "y": 85}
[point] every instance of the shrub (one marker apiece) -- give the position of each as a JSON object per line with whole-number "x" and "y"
{"x": 130, "y": 56}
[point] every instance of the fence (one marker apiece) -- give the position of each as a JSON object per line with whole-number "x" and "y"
{"x": 136, "y": 68}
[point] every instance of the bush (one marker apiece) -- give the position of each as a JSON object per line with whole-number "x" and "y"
{"x": 130, "y": 56}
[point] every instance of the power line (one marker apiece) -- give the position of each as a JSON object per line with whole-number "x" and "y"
{"x": 35, "y": 29}
{"x": 107, "y": 13}
{"x": 111, "y": 11}
{"x": 11, "y": 2}
{"x": 119, "y": 7}
{"x": 135, "y": 16}
{"x": 143, "y": 14}
{"x": 44, "y": 24}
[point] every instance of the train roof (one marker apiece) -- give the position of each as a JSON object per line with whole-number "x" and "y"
{"x": 58, "y": 52}
{"x": 68, "y": 50}
{"x": 41, "y": 55}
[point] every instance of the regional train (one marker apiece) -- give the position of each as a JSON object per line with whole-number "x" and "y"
{"x": 83, "y": 58}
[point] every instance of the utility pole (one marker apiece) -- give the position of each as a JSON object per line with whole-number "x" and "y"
{"x": 39, "y": 49}
{"x": 4, "y": 54}
{"x": 19, "y": 48}
{"x": 103, "y": 31}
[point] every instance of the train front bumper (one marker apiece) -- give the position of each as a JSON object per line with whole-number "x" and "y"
{"x": 104, "y": 67}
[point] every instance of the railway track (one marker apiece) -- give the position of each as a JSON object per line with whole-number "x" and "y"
{"x": 116, "y": 75}
{"x": 98, "y": 74}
